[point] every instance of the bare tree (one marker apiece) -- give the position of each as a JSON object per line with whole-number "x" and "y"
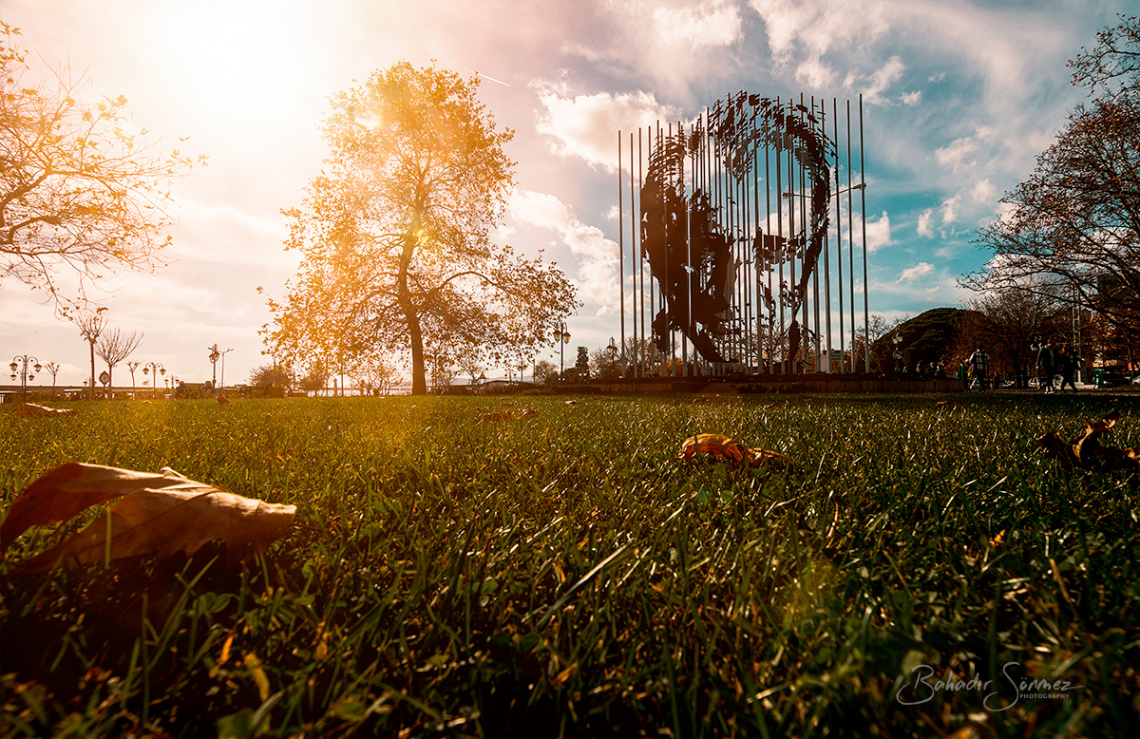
{"x": 131, "y": 367}
{"x": 53, "y": 369}
{"x": 91, "y": 325}
{"x": 115, "y": 346}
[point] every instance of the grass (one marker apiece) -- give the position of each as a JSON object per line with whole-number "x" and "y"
{"x": 563, "y": 575}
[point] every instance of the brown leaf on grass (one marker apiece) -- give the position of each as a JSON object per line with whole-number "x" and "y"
{"x": 223, "y": 400}
{"x": 571, "y": 402}
{"x": 159, "y": 514}
{"x": 777, "y": 404}
{"x": 948, "y": 404}
{"x": 700, "y": 400}
{"x": 495, "y": 417}
{"x": 527, "y": 413}
{"x": 721, "y": 448}
{"x": 31, "y": 409}
{"x": 1085, "y": 451}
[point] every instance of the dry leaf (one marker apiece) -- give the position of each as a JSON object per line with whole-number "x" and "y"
{"x": 31, "y": 409}
{"x": 1085, "y": 452}
{"x": 721, "y": 448}
{"x": 159, "y": 514}
{"x": 777, "y": 404}
{"x": 527, "y": 413}
{"x": 702, "y": 399}
{"x": 223, "y": 400}
{"x": 495, "y": 417}
{"x": 571, "y": 402}
{"x": 948, "y": 404}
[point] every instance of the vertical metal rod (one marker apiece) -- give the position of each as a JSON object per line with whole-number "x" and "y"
{"x": 644, "y": 349}
{"x": 866, "y": 284}
{"x": 851, "y": 239}
{"x": 826, "y": 251}
{"x": 839, "y": 241}
{"x": 780, "y": 235}
{"x": 755, "y": 229}
{"x": 621, "y": 256}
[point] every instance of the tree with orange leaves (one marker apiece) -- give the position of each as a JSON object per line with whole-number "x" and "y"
{"x": 395, "y": 235}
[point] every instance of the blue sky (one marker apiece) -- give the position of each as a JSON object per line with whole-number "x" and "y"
{"x": 959, "y": 98}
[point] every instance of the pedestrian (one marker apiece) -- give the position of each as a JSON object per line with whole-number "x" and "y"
{"x": 980, "y": 362}
{"x": 1068, "y": 365}
{"x": 1046, "y": 366}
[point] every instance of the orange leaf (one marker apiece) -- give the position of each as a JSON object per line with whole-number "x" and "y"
{"x": 722, "y": 448}
{"x": 158, "y": 515}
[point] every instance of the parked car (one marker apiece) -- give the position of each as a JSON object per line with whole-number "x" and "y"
{"x": 1112, "y": 378}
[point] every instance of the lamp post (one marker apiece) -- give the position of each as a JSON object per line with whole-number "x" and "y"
{"x": 25, "y": 367}
{"x": 154, "y": 369}
{"x": 564, "y": 335}
{"x": 896, "y": 340}
{"x": 612, "y": 351}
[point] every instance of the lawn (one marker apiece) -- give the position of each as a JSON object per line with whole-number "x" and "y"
{"x": 918, "y": 571}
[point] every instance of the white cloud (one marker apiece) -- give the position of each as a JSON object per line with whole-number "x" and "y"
{"x": 585, "y": 125}
{"x": 924, "y": 228}
{"x": 950, "y": 210}
{"x": 597, "y": 255}
{"x": 711, "y": 24}
{"x": 911, "y": 98}
{"x": 883, "y": 78}
{"x": 922, "y": 269}
{"x": 984, "y": 192}
{"x": 956, "y": 154}
{"x": 879, "y": 233}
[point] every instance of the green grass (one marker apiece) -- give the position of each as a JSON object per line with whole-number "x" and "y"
{"x": 563, "y": 575}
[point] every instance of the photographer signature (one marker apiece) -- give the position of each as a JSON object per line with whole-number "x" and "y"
{"x": 925, "y": 688}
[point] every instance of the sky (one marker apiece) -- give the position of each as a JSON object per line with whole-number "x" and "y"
{"x": 959, "y": 98}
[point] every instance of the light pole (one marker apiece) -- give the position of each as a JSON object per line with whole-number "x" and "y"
{"x": 154, "y": 369}
{"x": 224, "y": 353}
{"x": 612, "y": 351}
{"x": 564, "y": 335}
{"x": 25, "y": 366}
{"x": 215, "y": 355}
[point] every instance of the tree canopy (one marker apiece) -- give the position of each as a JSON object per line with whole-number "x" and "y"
{"x": 1072, "y": 230}
{"x": 395, "y": 235}
{"x": 80, "y": 190}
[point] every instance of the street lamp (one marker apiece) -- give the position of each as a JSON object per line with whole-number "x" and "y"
{"x": 25, "y": 367}
{"x": 157, "y": 369}
{"x": 564, "y": 335}
{"x": 612, "y": 351}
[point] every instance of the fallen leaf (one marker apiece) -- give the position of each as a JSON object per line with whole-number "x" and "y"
{"x": 31, "y": 409}
{"x": 1085, "y": 451}
{"x": 571, "y": 402}
{"x": 223, "y": 400}
{"x": 777, "y": 404}
{"x": 159, "y": 514}
{"x": 948, "y": 404}
{"x": 527, "y": 413}
{"x": 495, "y": 417}
{"x": 721, "y": 448}
{"x": 698, "y": 401}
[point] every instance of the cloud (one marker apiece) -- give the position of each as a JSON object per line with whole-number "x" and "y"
{"x": 883, "y": 78}
{"x": 710, "y": 25}
{"x": 879, "y": 233}
{"x": 984, "y": 192}
{"x": 911, "y": 98}
{"x": 956, "y": 154}
{"x": 950, "y": 210}
{"x": 597, "y": 256}
{"x": 922, "y": 269}
{"x": 584, "y": 126}
{"x": 924, "y": 228}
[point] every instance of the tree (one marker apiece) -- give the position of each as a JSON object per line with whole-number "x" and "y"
{"x": 470, "y": 366}
{"x": 545, "y": 372}
{"x": 115, "y": 346}
{"x": 271, "y": 380}
{"x": 1114, "y": 63}
{"x": 582, "y": 364}
{"x": 1007, "y": 324}
{"x": 1072, "y": 231}
{"x": 78, "y": 192}
{"x": 91, "y": 325}
{"x": 131, "y": 367}
{"x": 395, "y": 233}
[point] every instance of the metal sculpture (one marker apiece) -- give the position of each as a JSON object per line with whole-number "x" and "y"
{"x": 733, "y": 278}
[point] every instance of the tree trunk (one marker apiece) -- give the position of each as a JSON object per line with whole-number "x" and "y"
{"x": 408, "y": 306}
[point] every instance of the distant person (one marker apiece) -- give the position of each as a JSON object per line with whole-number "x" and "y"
{"x": 1068, "y": 365}
{"x": 979, "y": 361}
{"x": 1046, "y": 366}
